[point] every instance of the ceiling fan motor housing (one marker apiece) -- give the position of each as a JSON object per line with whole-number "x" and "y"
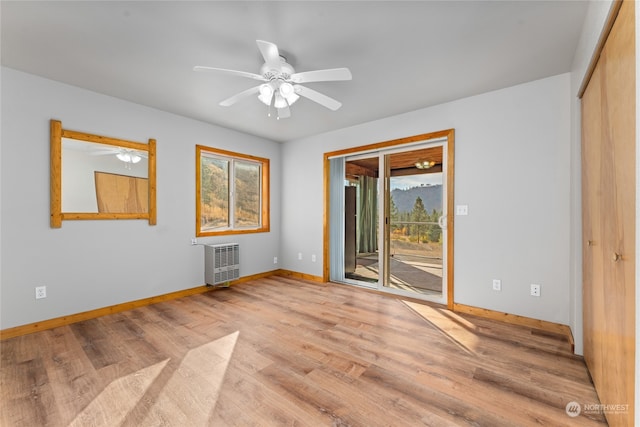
{"x": 284, "y": 72}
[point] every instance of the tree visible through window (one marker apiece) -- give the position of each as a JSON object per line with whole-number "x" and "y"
{"x": 232, "y": 192}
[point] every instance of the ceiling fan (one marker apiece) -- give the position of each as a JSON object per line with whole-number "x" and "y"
{"x": 281, "y": 85}
{"x": 125, "y": 155}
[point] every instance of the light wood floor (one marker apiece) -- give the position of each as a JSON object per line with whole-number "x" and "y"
{"x": 279, "y": 351}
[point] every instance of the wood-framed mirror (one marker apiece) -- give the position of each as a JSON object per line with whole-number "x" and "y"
{"x": 98, "y": 177}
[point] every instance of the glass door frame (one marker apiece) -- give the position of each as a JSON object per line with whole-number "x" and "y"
{"x": 445, "y": 137}
{"x": 363, "y": 283}
{"x": 385, "y": 225}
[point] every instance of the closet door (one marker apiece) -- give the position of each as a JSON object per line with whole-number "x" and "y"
{"x": 592, "y": 217}
{"x": 608, "y": 163}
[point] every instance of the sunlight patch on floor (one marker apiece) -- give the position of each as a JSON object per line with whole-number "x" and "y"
{"x": 188, "y": 398}
{"x": 458, "y": 332}
{"x": 191, "y": 394}
{"x": 118, "y": 398}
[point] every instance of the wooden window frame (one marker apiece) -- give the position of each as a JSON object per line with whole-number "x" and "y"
{"x": 56, "y": 213}
{"x": 264, "y": 191}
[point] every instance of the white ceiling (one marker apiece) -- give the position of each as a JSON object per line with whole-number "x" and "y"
{"x": 403, "y": 55}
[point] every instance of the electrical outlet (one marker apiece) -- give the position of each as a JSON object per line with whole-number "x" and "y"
{"x": 535, "y": 290}
{"x": 299, "y": 255}
{"x": 497, "y": 284}
{"x": 313, "y": 258}
{"x": 275, "y": 259}
{"x": 194, "y": 241}
{"x": 462, "y": 210}
{"x": 41, "y": 292}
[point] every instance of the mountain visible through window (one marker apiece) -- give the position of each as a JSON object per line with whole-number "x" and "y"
{"x": 232, "y": 192}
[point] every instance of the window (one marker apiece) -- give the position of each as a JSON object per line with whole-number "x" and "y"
{"x": 232, "y": 192}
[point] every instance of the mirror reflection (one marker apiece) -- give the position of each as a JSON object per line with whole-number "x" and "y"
{"x": 99, "y": 177}
{"x": 103, "y": 178}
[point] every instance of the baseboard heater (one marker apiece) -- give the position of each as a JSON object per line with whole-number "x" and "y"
{"x": 221, "y": 263}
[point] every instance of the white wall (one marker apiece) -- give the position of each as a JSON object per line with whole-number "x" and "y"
{"x": 91, "y": 264}
{"x": 512, "y": 156}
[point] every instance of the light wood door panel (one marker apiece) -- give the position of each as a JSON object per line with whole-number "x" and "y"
{"x": 121, "y": 193}
{"x": 592, "y": 235}
{"x": 609, "y": 137}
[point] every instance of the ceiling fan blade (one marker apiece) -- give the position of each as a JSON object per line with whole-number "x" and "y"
{"x": 238, "y": 96}
{"x": 318, "y": 97}
{"x": 270, "y": 53}
{"x": 231, "y": 72}
{"x": 333, "y": 74}
{"x": 284, "y": 112}
{"x": 110, "y": 151}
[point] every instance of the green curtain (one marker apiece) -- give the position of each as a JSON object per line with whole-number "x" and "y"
{"x": 368, "y": 214}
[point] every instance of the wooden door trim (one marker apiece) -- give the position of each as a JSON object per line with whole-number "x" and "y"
{"x": 449, "y": 134}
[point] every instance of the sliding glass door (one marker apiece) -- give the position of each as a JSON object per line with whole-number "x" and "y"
{"x": 388, "y": 220}
{"x": 414, "y": 195}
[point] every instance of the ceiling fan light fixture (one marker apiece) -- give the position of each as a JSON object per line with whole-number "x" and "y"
{"x": 128, "y": 157}
{"x": 288, "y": 92}
{"x": 286, "y": 89}
{"x": 292, "y": 98}
{"x": 425, "y": 164}
{"x": 266, "y": 90}
{"x": 266, "y": 93}
{"x": 125, "y": 157}
{"x": 280, "y": 101}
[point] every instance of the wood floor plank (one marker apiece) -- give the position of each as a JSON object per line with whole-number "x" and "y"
{"x": 73, "y": 381}
{"x": 285, "y": 352}
{"x": 262, "y": 402}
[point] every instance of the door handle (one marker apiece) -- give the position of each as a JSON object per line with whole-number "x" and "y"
{"x": 442, "y": 222}
{"x": 616, "y": 257}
